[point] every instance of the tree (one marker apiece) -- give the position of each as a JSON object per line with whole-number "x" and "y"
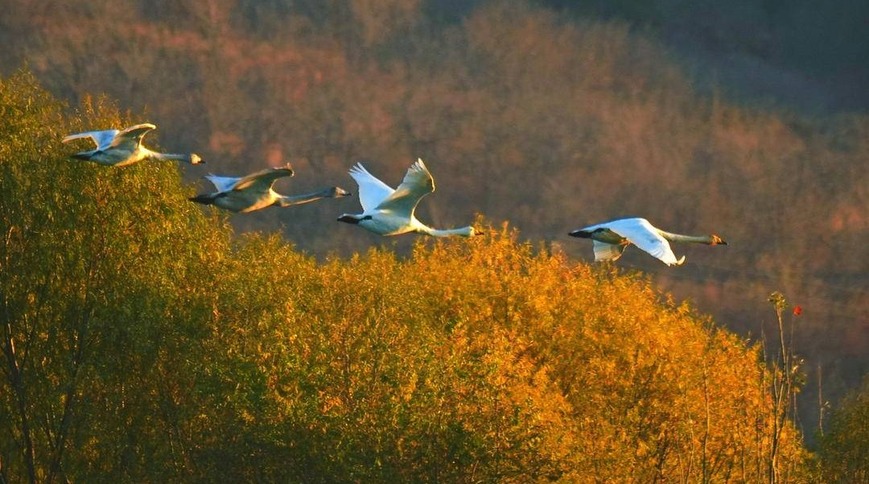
{"x": 142, "y": 341}
{"x": 845, "y": 446}
{"x": 94, "y": 281}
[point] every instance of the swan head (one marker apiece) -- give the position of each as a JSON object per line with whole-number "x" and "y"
{"x": 196, "y": 159}
{"x": 338, "y": 192}
{"x": 716, "y": 240}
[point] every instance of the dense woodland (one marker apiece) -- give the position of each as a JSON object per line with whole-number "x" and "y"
{"x": 143, "y": 341}
{"x": 542, "y": 120}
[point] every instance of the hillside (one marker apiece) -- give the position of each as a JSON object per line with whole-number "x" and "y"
{"x": 548, "y": 121}
{"x": 143, "y": 341}
{"x": 794, "y": 53}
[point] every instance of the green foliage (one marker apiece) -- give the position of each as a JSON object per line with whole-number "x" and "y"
{"x": 100, "y": 295}
{"x": 845, "y": 447}
{"x": 142, "y": 342}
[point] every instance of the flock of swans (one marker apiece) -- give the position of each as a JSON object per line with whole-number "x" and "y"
{"x": 385, "y": 211}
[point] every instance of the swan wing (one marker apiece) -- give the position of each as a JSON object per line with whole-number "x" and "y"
{"x": 417, "y": 183}
{"x": 103, "y": 139}
{"x": 372, "y": 191}
{"x": 223, "y": 183}
{"x": 645, "y": 236}
{"x": 131, "y": 137}
{"x": 262, "y": 180}
{"x": 607, "y": 252}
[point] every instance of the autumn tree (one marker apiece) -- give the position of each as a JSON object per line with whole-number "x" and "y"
{"x": 142, "y": 340}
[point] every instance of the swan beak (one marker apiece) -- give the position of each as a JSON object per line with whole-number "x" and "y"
{"x": 196, "y": 159}
{"x": 583, "y": 234}
{"x": 349, "y": 219}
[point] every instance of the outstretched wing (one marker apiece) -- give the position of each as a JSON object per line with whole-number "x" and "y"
{"x": 262, "y": 181}
{"x": 223, "y": 183}
{"x": 131, "y": 137}
{"x": 417, "y": 183}
{"x": 371, "y": 190}
{"x": 103, "y": 139}
{"x": 645, "y": 236}
{"x": 607, "y": 252}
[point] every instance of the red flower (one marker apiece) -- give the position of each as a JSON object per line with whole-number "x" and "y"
{"x": 798, "y": 310}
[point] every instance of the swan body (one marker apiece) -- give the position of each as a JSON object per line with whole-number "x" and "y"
{"x": 610, "y": 239}
{"x": 122, "y": 148}
{"x": 391, "y": 212}
{"x": 254, "y": 192}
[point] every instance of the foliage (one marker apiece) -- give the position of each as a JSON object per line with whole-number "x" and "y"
{"x": 577, "y": 119}
{"x": 845, "y": 447}
{"x": 142, "y": 342}
{"x": 101, "y": 296}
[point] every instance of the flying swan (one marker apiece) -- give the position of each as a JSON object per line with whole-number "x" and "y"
{"x": 121, "y": 148}
{"x": 254, "y": 192}
{"x": 391, "y": 212}
{"x": 611, "y": 238}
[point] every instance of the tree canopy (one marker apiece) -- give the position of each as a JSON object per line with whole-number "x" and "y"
{"x": 143, "y": 340}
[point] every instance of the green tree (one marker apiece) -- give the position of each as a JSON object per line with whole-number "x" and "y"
{"x": 845, "y": 446}
{"x": 100, "y": 275}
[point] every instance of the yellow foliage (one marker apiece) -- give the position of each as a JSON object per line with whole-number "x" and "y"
{"x": 162, "y": 348}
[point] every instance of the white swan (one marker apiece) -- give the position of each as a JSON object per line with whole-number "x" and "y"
{"x": 611, "y": 238}
{"x": 254, "y": 192}
{"x": 391, "y": 212}
{"x": 121, "y": 148}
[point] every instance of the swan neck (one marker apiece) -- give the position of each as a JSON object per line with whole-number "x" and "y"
{"x": 289, "y": 200}
{"x": 696, "y": 239}
{"x": 169, "y": 156}
{"x": 463, "y": 231}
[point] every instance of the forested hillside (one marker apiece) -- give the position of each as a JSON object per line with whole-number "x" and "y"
{"x": 144, "y": 341}
{"x": 546, "y": 119}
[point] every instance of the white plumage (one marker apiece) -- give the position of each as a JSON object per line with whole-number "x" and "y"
{"x": 609, "y": 239}
{"x": 254, "y": 192}
{"x": 121, "y": 148}
{"x": 392, "y": 212}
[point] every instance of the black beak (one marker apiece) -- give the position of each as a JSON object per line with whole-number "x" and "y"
{"x": 348, "y": 219}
